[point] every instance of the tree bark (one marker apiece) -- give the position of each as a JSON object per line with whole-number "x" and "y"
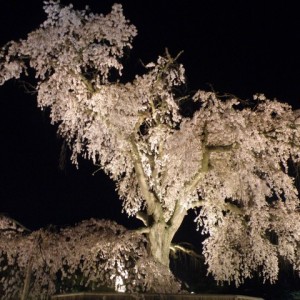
{"x": 159, "y": 243}
{"x": 161, "y": 233}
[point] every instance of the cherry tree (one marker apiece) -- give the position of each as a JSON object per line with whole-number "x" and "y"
{"x": 231, "y": 161}
{"x": 92, "y": 254}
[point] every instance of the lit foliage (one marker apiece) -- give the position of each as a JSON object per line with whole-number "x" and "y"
{"x": 229, "y": 161}
{"x": 92, "y": 254}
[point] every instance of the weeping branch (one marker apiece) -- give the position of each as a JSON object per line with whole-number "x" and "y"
{"x": 23, "y": 228}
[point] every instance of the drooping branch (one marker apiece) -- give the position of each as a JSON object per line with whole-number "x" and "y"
{"x": 179, "y": 248}
{"x": 13, "y": 224}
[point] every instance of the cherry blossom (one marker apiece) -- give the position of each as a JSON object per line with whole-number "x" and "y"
{"x": 231, "y": 161}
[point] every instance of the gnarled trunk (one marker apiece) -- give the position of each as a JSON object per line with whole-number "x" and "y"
{"x": 160, "y": 238}
{"x": 159, "y": 243}
{"x": 161, "y": 233}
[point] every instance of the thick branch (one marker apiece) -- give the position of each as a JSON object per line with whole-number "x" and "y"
{"x": 142, "y": 230}
{"x": 205, "y": 163}
{"x": 153, "y": 207}
{"x": 177, "y": 216}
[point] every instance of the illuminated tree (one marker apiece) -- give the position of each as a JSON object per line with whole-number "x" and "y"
{"x": 231, "y": 162}
{"x": 92, "y": 254}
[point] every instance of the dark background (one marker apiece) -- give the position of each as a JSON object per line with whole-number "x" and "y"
{"x": 239, "y": 47}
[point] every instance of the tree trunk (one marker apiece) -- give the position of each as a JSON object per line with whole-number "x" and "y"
{"x": 160, "y": 238}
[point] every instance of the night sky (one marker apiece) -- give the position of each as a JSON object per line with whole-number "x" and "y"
{"x": 238, "y": 47}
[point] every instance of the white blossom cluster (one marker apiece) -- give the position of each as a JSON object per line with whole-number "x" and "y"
{"x": 248, "y": 196}
{"x": 230, "y": 161}
{"x": 92, "y": 254}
